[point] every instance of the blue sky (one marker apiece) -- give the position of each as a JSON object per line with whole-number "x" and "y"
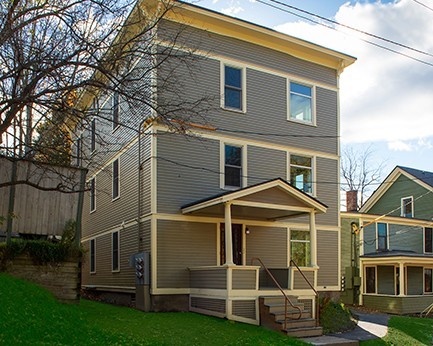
{"x": 386, "y": 99}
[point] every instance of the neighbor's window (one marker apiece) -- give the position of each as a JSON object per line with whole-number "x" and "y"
{"x": 115, "y": 183}
{"x": 93, "y": 135}
{"x": 407, "y": 207}
{"x": 382, "y": 236}
{"x": 428, "y": 280}
{"x": 301, "y": 102}
{"x": 428, "y": 239}
{"x": 115, "y": 110}
{"x": 301, "y": 173}
{"x": 300, "y": 248}
{"x": 92, "y": 256}
{"x": 233, "y": 87}
{"x": 115, "y": 251}
{"x": 370, "y": 280}
{"x": 92, "y": 194}
{"x": 232, "y": 166}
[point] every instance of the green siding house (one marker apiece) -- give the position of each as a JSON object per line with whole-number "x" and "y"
{"x": 388, "y": 246}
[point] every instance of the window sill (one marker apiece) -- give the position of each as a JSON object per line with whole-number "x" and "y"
{"x": 115, "y": 129}
{"x": 116, "y": 271}
{"x": 234, "y": 110}
{"x": 115, "y": 199}
{"x": 92, "y": 211}
{"x": 302, "y": 122}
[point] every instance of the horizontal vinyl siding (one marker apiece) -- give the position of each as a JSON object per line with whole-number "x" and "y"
{"x": 266, "y": 164}
{"x": 327, "y": 189}
{"x": 269, "y": 244}
{"x": 369, "y": 238}
{"x": 398, "y": 305}
{"x": 178, "y": 182}
{"x": 145, "y": 235}
{"x": 104, "y": 275}
{"x": 216, "y": 279}
{"x": 181, "y": 245}
{"x": 415, "y": 277}
{"x": 299, "y": 283}
{"x": 406, "y": 238}
{"x": 244, "y": 308}
{"x": 385, "y": 280}
{"x": 327, "y": 258}
{"x": 243, "y": 279}
{"x": 217, "y": 305}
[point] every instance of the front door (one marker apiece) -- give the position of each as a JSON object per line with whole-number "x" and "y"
{"x": 237, "y": 244}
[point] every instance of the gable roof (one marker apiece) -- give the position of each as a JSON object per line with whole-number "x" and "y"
{"x": 423, "y": 178}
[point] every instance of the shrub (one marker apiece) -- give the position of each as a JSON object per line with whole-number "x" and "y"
{"x": 335, "y": 317}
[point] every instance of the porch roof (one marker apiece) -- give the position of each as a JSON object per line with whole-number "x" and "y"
{"x": 396, "y": 253}
{"x": 270, "y": 200}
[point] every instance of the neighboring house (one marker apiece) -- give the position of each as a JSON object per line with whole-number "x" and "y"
{"x": 204, "y": 206}
{"x": 391, "y": 258}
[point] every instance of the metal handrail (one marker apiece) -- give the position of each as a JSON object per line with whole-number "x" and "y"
{"x": 312, "y": 287}
{"x": 282, "y": 291}
{"x": 427, "y": 310}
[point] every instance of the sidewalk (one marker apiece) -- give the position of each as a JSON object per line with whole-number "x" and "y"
{"x": 371, "y": 325}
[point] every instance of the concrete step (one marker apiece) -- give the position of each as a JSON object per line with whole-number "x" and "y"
{"x": 304, "y": 332}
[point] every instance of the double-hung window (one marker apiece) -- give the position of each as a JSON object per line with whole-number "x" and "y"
{"x": 92, "y": 255}
{"x": 382, "y": 236}
{"x": 232, "y": 166}
{"x": 301, "y": 173}
{"x": 115, "y": 110}
{"x": 428, "y": 239}
{"x": 300, "y": 248}
{"x": 115, "y": 182}
{"x": 234, "y": 92}
{"x": 370, "y": 280}
{"x": 301, "y": 105}
{"x": 92, "y": 194}
{"x": 115, "y": 253}
{"x": 428, "y": 282}
{"x": 407, "y": 207}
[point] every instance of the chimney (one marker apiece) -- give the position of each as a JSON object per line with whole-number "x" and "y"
{"x": 352, "y": 200}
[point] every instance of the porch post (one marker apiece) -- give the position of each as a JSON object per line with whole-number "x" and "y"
{"x": 313, "y": 239}
{"x": 228, "y": 233}
{"x": 401, "y": 280}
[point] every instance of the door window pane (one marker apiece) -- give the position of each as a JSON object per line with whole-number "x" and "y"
{"x": 370, "y": 278}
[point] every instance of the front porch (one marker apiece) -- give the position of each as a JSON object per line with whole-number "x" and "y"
{"x": 398, "y": 282}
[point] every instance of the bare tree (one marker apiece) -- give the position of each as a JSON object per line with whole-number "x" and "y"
{"x": 60, "y": 58}
{"x": 360, "y": 172}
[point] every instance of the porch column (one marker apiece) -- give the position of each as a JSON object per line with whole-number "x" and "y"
{"x": 228, "y": 233}
{"x": 401, "y": 279}
{"x": 313, "y": 239}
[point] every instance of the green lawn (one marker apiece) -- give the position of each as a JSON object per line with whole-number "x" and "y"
{"x": 29, "y": 315}
{"x": 406, "y": 331}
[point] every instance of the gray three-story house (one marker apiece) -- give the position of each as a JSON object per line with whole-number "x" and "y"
{"x": 255, "y": 185}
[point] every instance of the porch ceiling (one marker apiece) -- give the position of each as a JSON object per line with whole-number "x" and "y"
{"x": 271, "y": 200}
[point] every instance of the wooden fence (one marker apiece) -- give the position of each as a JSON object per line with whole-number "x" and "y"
{"x": 37, "y": 207}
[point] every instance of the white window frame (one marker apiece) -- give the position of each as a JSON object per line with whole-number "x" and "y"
{"x": 244, "y": 172}
{"x": 375, "y": 279}
{"x": 223, "y": 64}
{"x": 387, "y": 236}
{"x": 113, "y": 198}
{"x": 299, "y": 241}
{"x": 313, "y": 170}
{"x": 92, "y": 192}
{"x": 423, "y": 280}
{"x": 94, "y": 256}
{"x": 424, "y": 239}
{"x": 118, "y": 252}
{"x": 313, "y": 102}
{"x": 402, "y": 206}
{"x": 115, "y": 109}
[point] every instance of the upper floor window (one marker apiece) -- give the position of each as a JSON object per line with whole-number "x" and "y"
{"x": 234, "y": 90}
{"x": 93, "y": 135}
{"x": 301, "y": 103}
{"x": 92, "y": 254}
{"x": 232, "y": 166}
{"x": 428, "y": 239}
{"x": 382, "y": 236}
{"x": 115, "y": 110}
{"x": 92, "y": 194}
{"x": 115, "y": 183}
{"x": 115, "y": 253}
{"x": 301, "y": 173}
{"x": 407, "y": 207}
{"x": 300, "y": 248}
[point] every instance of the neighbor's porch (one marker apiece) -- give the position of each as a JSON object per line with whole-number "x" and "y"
{"x": 397, "y": 282}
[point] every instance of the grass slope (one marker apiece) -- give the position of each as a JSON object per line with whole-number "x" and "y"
{"x": 407, "y": 331}
{"x": 30, "y": 315}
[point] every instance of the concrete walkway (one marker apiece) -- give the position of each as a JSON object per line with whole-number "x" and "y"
{"x": 371, "y": 325}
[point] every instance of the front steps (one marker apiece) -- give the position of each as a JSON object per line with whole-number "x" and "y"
{"x": 272, "y": 317}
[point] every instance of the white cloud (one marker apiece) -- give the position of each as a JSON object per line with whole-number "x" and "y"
{"x": 399, "y": 146}
{"x": 232, "y": 10}
{"x": 384, "y": 96}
